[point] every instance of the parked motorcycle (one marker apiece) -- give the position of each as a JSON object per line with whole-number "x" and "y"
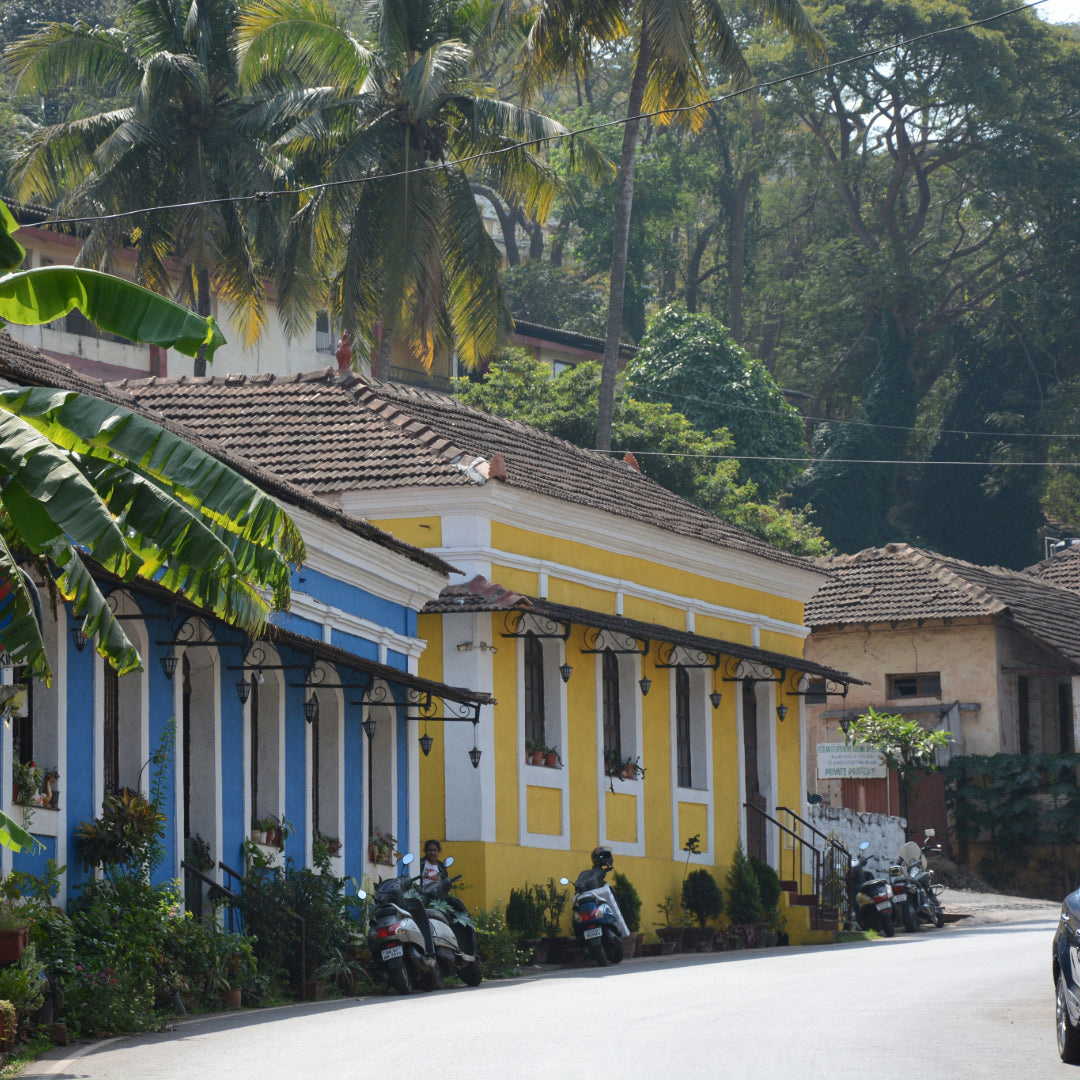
{"x": 598, "y": 924}
{"x": 871, "y": 897}
{"x": 905, "y": 898}
{"x": 913, "y": 859}
{"x": 453, "y": 931}
{"x": 401, "y": 939}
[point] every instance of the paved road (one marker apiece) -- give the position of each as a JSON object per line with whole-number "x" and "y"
{"x": 968, "y": 1001}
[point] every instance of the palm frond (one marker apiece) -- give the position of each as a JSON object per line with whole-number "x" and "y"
{"x": 80, "y": 55}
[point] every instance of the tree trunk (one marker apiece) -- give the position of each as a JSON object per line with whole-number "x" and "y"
{"x": 624, "y": 204}
{"x": 746, "y": 184}
{"x": 202, "y": 301}
{"x": 384, "y": 354}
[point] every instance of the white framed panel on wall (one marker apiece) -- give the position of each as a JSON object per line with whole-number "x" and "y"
{"x": 630, "y": 669}
{"x": 701, "y": 789}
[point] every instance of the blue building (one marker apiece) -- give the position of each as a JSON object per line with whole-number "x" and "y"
{"x": 315, "y": 723}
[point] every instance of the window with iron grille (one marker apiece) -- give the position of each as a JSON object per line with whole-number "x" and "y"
{"x": 683, "y": 742}
{"x": 534, "y": 689}
{"x": 22, "y": 724}
{"x": 315, "y": 767}
{"x": 612, "y": 715}
{"x": 922, "y": 684}
{"x": 253, "y": 720}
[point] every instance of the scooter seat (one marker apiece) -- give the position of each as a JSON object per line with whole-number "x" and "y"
{"x": 437, "y": 916}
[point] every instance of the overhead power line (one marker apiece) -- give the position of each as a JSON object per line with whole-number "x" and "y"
{"x": 851, "y": 461}
{"x": 265, "y": 196}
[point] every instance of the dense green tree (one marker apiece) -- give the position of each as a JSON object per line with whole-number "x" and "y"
{"x": 673, "y": 40}
{"x": 393, "y": 125}
{"x": 669, "y": 449}
{"x": 691, "y": 362}
{"x": 181, "y": 137}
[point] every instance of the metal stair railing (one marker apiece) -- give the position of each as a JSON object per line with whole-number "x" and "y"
{"x": 832, "y": 870}
{"x": 829, "y": 882}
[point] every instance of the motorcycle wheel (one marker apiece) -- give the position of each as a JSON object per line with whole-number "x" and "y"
{"x": 1068, "y": 1037}
{"x": 399, "y": 978}
{"x": 911, "y": 919}
{"x": 939, "y": 915}
{"x": 471, "y": 974}
{"x": 612, "y": 948}
{"x": 887, "y": 927}
{"x": 599, "y": 955}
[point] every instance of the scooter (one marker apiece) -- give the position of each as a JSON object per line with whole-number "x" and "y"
{"x": 401, "y": 940}
{"x": 905, "y": 898}
{"x": 453, "y": 931}
{"x": 913, "y": 858}
{"x": 871, "y": 898}
{"x": 598, "y": 923}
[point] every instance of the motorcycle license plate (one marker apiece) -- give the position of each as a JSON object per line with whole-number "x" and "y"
{"x": 883, "y": 905}
{"x": 392, "y": 953}
{"x": 900, "y": 898}
{"x": 595, "y": 932}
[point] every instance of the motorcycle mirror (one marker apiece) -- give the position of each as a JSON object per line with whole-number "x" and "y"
{"x": 406, "y": 859}
{"x": 864, "y": 845}
{"x": 564, "y": 881}
{"x": 448, "y": 861}
{"x": 931, "y": 832}
{"x": 361, "y": 894}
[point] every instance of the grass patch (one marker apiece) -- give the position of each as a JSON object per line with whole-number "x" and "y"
{"x": 24, "y": 1055}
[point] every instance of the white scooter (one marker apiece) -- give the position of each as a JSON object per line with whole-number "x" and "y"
{"x": 401, "y": 939}
{"x": 453, "y": 930}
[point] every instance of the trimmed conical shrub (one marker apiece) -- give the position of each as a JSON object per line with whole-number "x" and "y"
{"x": 701, "y": 896}
{"x": 743, "y": 893}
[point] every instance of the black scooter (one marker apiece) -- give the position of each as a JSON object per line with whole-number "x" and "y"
{"x": 598, "y": 924}
{"x": 871, "y": 897}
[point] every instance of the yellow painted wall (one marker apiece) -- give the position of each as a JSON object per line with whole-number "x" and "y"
{"x": 693, "y": 821}
{"x": 424, "y": 532}
{"x": 544, "y": 810}
{"x": 621, "y": 812}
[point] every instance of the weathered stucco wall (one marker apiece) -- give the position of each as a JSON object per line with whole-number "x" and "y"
{"x": 884, "y": 834}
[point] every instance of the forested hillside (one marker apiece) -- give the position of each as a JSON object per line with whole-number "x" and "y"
{"x": 891, "y": 235}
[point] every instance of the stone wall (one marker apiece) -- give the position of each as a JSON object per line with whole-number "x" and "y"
{"x": 885, "y": 834}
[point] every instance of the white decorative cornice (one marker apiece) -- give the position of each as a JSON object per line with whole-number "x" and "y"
{"x": 332, "y": 618}
{"x": 367, "y": 565}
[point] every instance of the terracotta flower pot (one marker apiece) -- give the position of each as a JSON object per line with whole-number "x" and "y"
{"x": 232, "y": 998}
{"x": 551, "y": 760}
{"x": 536, "y": 758}
{"x": 13, "y": 944}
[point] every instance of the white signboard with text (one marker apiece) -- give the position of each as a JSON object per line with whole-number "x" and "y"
{"x": 839, "y": 761}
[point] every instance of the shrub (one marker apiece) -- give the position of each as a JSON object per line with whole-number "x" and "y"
{"x": 743, "y": 895}
{"x": 701, "y": 895}
{"x": 23, "y": 984}
{"x": 626, "y": 896}
{"x": 768, "y": 882}
{"x": 552, "y": 900}
{"x": 525, "y": 913}
{"x": 497, "y": 944}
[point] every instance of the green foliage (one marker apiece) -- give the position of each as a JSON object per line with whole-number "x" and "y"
{"x": 525, "y": 912}
{"x": 23, "y": 983}
{"x": 768, "y": 883}
{"x": 121, "y": 840}
{"x": 552, "y": 900}
{"x": 744, "y": 904}
{"x": 626, "y": 896}
{"x": 691, "y": 362}
{"x": 1015, "y": 802}
{"x": 907, "y": 747}
{"x": 702, "y": 896}
{"x": 673, "y": 452}
{"x": 539, "y": 292}
{"x": 497, "y": 944}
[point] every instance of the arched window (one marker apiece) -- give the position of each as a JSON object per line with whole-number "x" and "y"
{"x": 612, "y": 715}
{"x": 534, "y": 690}
{"x": 683, "y": 738}
{"x": 110, "y": 755}
{"x": 253, "y": 764}
{"x": 315, "y": 770}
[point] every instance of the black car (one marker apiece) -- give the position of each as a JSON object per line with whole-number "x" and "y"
{"x": 1066, "y": 970}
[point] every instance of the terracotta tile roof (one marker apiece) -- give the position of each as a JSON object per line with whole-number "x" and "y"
{"x": 481, "y": 595}
{"x": 334, "y": 432}
{"x": 1062, "y": 569}
{"x": 26, "y": 366}
{"x": 476, "y": 595}
{"x": 899, "y": 583}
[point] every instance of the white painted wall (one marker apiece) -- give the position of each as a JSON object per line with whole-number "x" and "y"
{"x": 885, "y": 834}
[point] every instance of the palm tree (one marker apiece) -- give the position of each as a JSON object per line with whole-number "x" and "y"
{"x": 183, "y": 136}
{"x": 82, "y": 477}
{"x": 391, "y": 125}
{"x": 673, "y": 40}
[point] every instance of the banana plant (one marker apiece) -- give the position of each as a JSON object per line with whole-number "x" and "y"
{"x": 83, "y": 478}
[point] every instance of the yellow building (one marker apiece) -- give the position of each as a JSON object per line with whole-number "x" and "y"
{"x": 609, "y": 619}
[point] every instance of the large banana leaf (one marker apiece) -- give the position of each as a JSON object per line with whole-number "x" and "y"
{"x": 15, "y": 836}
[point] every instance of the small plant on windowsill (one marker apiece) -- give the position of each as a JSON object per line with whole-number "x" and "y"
{"x": 325, "y": 846}
{"x": 26, "y": 780}
{"x": 534, "y": 751}
{"x": 551, "y": 757}
{"x": 381, "y": 848}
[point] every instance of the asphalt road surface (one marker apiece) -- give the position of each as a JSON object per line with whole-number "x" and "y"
{"x": 972, "y": 1000}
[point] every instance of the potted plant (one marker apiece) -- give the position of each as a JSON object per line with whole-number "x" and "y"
{"x": 626, "y": 896}
{"x": 525, "y": 916}
{"x": 26, "y": 780}
{"x": 51, "y": 781}
{"x": 381, "y": 848}
{"x": 258, "y": 831}
{"x": 536, "y": 755}
{"x": 14, "y": 931}
{"x": 672, "y": 930}
{"x": 551, "y": 757}
{"x": 703, "y": 898}
{"x": 770, "y": 889}
{"x": 324, "y": 846}
{"x": 744, "y": 907}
